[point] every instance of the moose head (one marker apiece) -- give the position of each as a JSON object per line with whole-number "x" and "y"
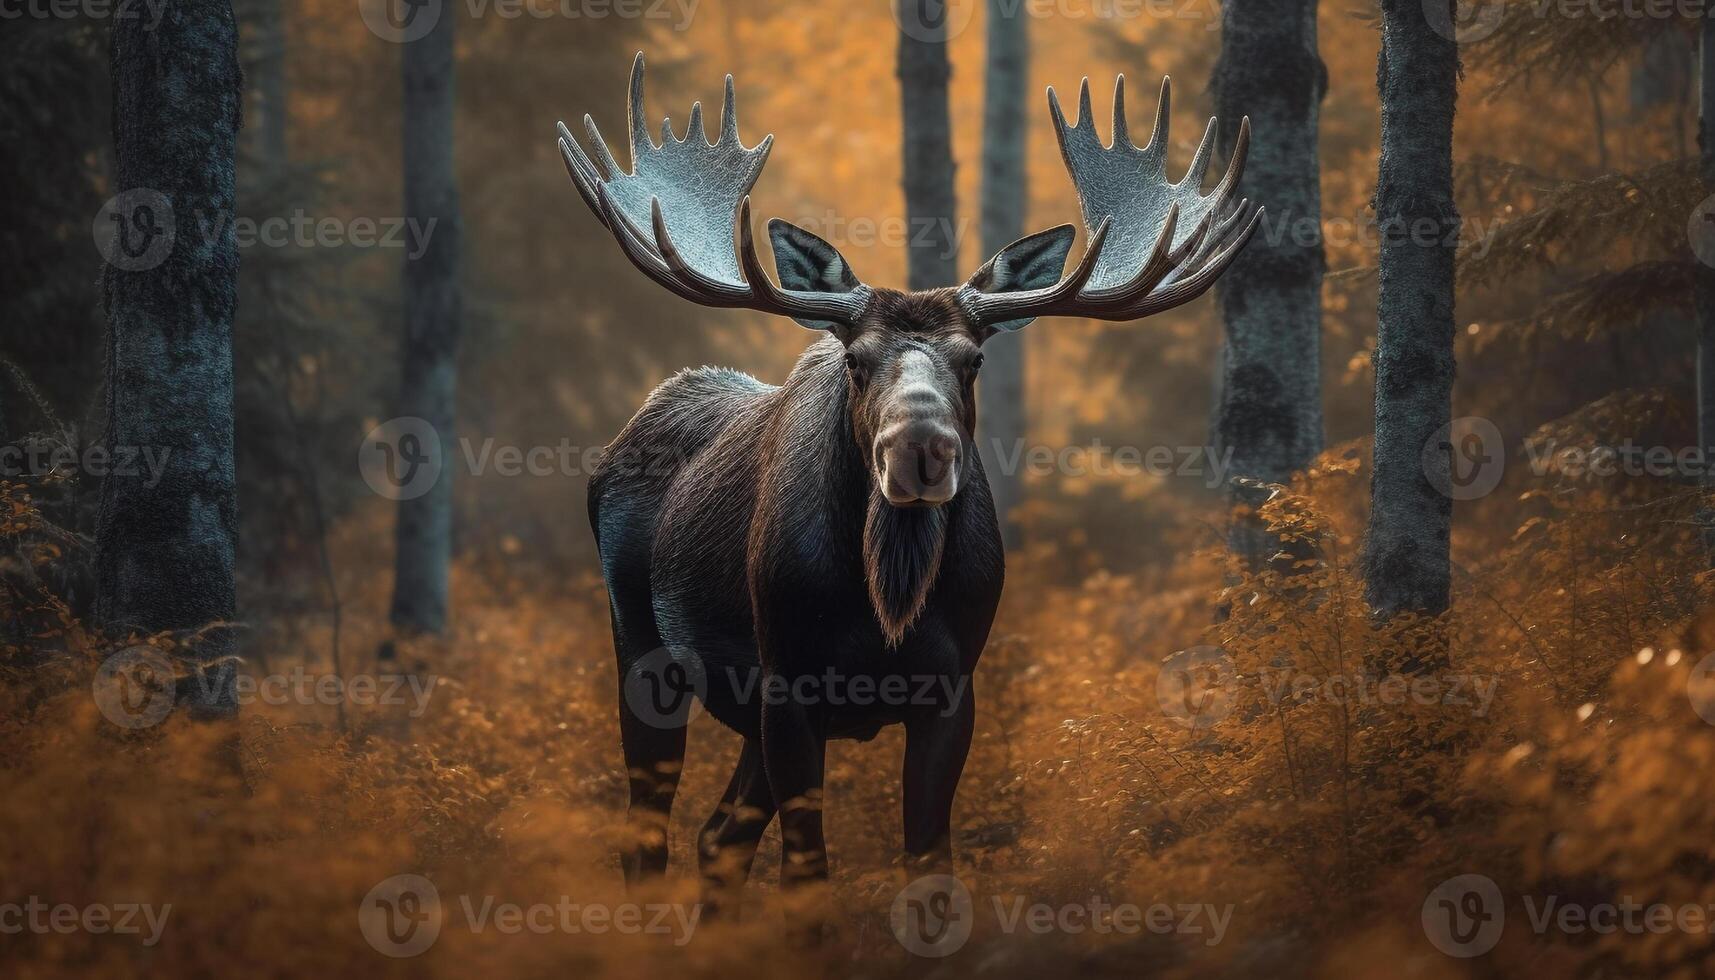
{"x": 682, "y": 216}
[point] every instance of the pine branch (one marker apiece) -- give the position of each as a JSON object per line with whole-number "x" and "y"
{"x": 1607, "y": 302}
{"x": 1542, "y": 39}
{"x": 1575, "y": 218}
{"x": 1570, "y": 219}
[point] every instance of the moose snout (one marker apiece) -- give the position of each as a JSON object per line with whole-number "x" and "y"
{"x": 918, "y": 463}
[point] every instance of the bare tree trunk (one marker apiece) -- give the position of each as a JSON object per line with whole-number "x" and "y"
{"x": 1663, "y": 74}
{"x": 1705, "y": 282}
{"x": 270, "y": 82}
{"x": 165, "y": 549}
{"x": 1001, "y": 415}
{"x": 433, "y": 302}
{"x": 1270, "y": 408}
{"x": 1406, "y": 559}
{"x": 930, "y": 204}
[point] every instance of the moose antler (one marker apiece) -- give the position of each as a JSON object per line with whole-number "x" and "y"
{"x": 1153, "y": 244}
{"x": 687, "y": 193}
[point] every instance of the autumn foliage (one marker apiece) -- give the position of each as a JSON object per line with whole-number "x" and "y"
{"x": 1558, "y": 750}
{"x": 1155, "y": 725}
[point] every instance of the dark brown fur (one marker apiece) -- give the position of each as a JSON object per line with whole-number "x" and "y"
{"x": 767, "y": 545}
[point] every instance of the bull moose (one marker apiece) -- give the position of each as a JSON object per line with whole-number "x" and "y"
{"x": 838, "y": 526}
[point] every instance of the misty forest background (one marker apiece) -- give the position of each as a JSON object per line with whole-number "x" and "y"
{"x": 1572, "y": 307}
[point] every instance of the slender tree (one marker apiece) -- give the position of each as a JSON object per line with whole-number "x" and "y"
{"x": 1662, "y": 77}
{"x": 1001, "y": 405}
{"x": 930, "y": 205}
{"x": 1269, "y": 412}
{"x": 55, "y": 121}
{"x": 1704, "y": 284}
{"x": 269, "y": 70}
{"x": 165, "y": 547}
{"x": 1406, "y": 557}
{"x": 433, "y": 307}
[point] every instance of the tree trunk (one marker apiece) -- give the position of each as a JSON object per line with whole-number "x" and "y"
{"x": 1662, "y": 75}
{"x": 165, "y": 552}
{"x": 930, "y": 205}
{"x": 1705, "y": 287}
{"x": 1001, "y": 417}
{"x": 1406, "y": 559}
{"x": 1270, "y": 298}
{"x": 270, "y": 82}
{"x": 433, "y": 303}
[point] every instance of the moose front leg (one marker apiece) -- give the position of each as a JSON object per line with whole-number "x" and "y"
{"x": 728, "y": 842}
{"x": 794, "y": 750}
{"x": 937, "y": 739}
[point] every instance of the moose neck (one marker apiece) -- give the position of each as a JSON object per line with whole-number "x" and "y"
{"x": 901, "y": 547}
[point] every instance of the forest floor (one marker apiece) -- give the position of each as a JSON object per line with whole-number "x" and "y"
{"x": 1302, "y": 830}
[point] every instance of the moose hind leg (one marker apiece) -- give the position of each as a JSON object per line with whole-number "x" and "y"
{"x": 653, "y": 705}
{"x": 654, "y": 758}
{"x": 727, "y": 845}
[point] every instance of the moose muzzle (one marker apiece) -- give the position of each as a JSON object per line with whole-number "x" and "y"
{"x": 917, "y": 446}
{"x": 919, "y": 463}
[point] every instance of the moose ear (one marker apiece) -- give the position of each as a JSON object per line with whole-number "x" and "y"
{"x": 806, "y": 263}
{"x": 1032, "y": 262}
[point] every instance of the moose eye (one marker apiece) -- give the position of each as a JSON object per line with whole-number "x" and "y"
{"x": 976, "y": 364}
{"x": 855, "y": 366}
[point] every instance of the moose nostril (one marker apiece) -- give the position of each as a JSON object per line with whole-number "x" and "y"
{"x": 935, "y": 461}
{"x": 929, "y": 471}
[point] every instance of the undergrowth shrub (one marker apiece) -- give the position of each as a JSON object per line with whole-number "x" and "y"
{"x": 1198, "y": 734}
